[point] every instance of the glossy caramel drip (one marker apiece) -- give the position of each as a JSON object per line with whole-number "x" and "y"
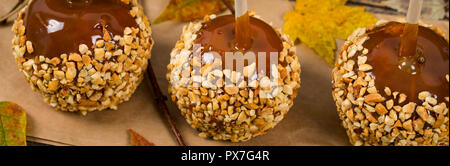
{"x": 218, "y": 35}
{"x": 60, "y": 26}
{"x": 428, "y": 73}
{"x": 409, "y": 40}
{"x": 243, "y": 40}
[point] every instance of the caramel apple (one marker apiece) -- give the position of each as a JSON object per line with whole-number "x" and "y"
{"x": 217, "y": 98}
{"x": 386, "y": 98}
{"x": 83, "y": 55}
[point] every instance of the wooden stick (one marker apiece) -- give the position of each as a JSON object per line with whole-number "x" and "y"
{"x": 408, "y": 44}
{"x": 240, "y": 7}
{"x": 415, "y": 7}
{"x": 242, "y": 27}
{"x": 160, "y": 100}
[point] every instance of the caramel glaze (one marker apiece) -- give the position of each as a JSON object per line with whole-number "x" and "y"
{"x": 218, "y": 35}
{"x": 56, "y": 27}
{"x": 383, "y": 45}
{"x": 243, "y": 39}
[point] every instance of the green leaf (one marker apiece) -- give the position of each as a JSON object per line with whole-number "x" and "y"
{"x": 13, "y": 122}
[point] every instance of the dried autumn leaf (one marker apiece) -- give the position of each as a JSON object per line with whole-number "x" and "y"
{"x": 13, "y": 121}
{"x": 317, "y": 23}
{"x": 138, "y": 140}
{"x": 188, "y": 10}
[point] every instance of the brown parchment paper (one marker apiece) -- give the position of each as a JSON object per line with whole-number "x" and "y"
{"x": 6, "y": 6}
{"x": 312, "y": 121}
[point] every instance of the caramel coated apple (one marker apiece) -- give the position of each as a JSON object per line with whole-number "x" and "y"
{"x": 387, "y": 99}
{"x": 83, "y": 55}
{"x": 225, "y": 103}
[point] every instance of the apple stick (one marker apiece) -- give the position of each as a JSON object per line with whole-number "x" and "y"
{"x": 409, "y": 37}
{"x": 242, "y": 27}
